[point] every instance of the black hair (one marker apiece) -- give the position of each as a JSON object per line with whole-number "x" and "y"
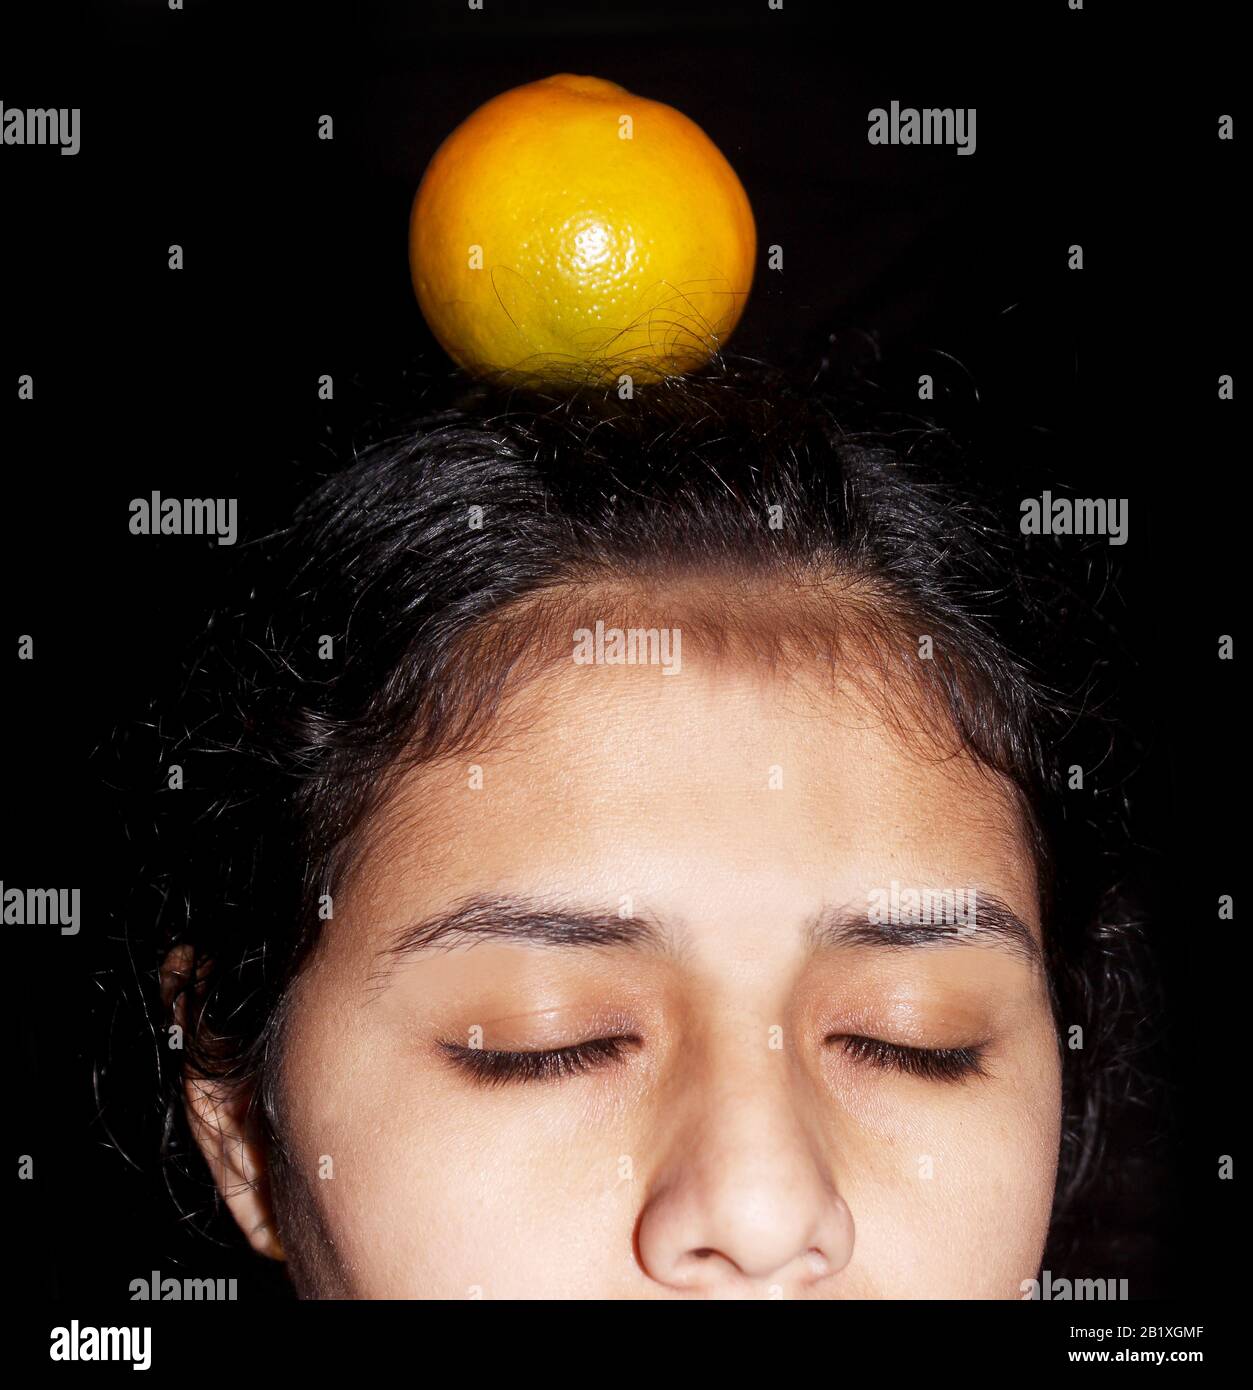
{"x": 285, "y": 752}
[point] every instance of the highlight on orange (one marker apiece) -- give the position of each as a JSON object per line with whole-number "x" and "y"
{"x": 568, "y": 231}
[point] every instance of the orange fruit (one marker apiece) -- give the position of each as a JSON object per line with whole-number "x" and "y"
{"x": 568, "y": 230}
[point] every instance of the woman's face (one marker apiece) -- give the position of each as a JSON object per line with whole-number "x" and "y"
{"x": 788, "y": 1094}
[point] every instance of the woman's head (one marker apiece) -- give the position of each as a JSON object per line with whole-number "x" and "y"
{"x": 628, "y": 853}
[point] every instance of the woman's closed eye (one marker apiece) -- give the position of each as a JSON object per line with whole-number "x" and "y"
{"x": 498, "y": 1067}
{"x": 930, "y": 1063}
{"x": 493, "y": 1067}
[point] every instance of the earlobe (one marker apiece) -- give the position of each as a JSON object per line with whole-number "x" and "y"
{"x": 221, "y": 1122}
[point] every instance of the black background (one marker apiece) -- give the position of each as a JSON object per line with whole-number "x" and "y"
{"x": 200, "y": 128}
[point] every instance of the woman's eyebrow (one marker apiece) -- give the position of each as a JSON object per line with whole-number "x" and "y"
{"x": 529, "y": 922}
{"x": 984, "y": 920}
{"x": 534, "y": 922}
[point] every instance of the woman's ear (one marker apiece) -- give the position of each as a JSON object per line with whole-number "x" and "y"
{"x": 223, "y": 1123}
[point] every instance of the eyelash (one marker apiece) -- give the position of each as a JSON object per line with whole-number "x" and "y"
{"x": 490, "y": 1068}
{"x": 931, "y": 1063}
{"x": 502, "y": 1068}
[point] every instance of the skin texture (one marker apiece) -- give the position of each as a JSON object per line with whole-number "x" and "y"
{"x": 735, "y": 1148}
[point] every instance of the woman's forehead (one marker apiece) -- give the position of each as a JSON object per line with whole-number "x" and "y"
{"x": 635, "y": 781}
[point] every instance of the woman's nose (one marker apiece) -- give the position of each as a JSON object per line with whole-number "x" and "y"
{"x": 744, "y": 1200}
